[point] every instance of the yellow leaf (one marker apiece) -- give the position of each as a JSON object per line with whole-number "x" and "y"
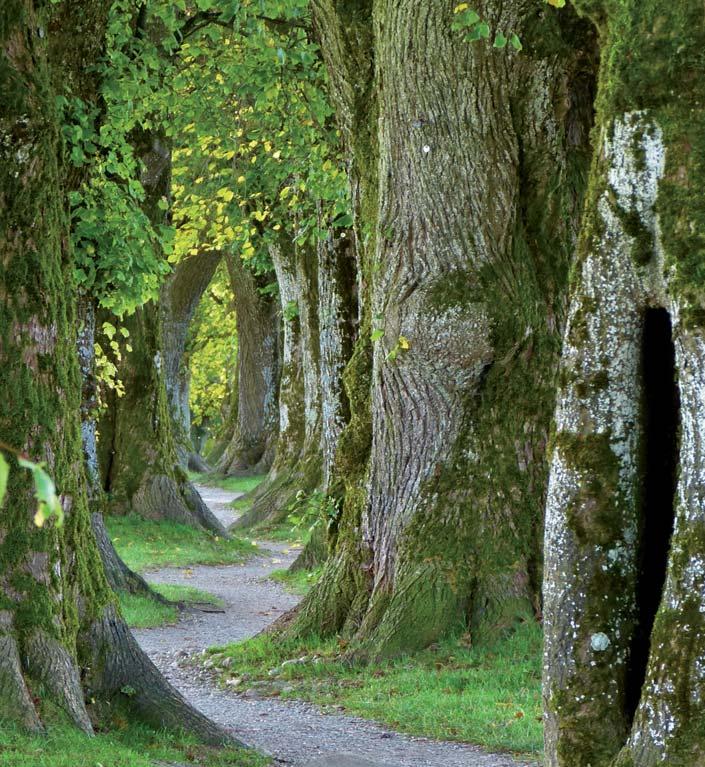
{"x": 403, "y": 342}
{"x": 556, "y": 3}
{"x": 460, "y": 8}
{"x": 241, "y": 179}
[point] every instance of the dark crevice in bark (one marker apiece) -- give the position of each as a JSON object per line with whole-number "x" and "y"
{"x": 661, "y": 416}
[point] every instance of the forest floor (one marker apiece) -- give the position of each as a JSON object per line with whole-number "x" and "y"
{"x": 292, "y": 732}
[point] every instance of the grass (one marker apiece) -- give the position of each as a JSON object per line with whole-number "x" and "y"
{"x": 141, "y": 612}
{"x": 145, "y": 544}
{"x": 299, "y": 581}
{"x": 131, "y": 746}
{"x": 490, "y": 696}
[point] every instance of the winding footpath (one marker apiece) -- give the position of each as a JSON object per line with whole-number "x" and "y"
{"x": 292, "y": 732}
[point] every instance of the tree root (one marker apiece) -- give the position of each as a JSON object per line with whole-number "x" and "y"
{"x": 51, "y": 664}
{"x": 119, "y": 575}
{"x": 162, "y": 497}
{"x": 119, "y": 671}
{"x": 197, "y": 463}
{"x": 16, "y": 704}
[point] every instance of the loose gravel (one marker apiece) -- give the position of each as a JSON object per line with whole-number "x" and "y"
{"x": 292, "y": 732}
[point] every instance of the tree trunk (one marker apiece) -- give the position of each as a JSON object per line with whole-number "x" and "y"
{"x": 118, "y": 574}
{"x": 141, "y": 465}
{"x": 624, "y": 682}
{"x": 296, "y": 468}
{"x": 473, "y": 199}
{"x": 252, "y": 445}
{"x": 337, "y": 316}
{"x": 178, "y": 301}
{"x": 60, "y": 632}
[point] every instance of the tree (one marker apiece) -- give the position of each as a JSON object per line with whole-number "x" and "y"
{"x": 140, "y": 460}
{"x": 178, "y": 301}
{"x": 60, "y": 625}
{"x": 624, "y": 579}
{"x": 255, "y": 420}
{"x": 297, "y": 465}
{"x": 462, "y": 305}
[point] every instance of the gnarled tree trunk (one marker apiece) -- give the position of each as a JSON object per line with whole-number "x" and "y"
{"x": 254, "y": 437}
{"x": 60, "y": 631}
{"x": 624, "y": 680}
{"x": 473, "y": 195}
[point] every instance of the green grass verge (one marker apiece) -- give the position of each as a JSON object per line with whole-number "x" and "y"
{"x": 299, "y": 581}
{"x": 141, "y": 612}
{"x": 145, "y": 544}
{"x": 490, "y": 696}
{"x": 133, "y": 746}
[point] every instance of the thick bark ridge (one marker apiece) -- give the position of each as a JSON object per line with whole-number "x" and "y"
{"x": 640, "y": 258}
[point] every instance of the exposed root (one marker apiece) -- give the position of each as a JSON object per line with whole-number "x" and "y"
{"x": 196, "y": 463}
{"x": 50, "y": 663}
{"x": 15, "y": 699}
{"x": 314, "y": 553}
{"x": 120, "y": 672}
{"x": 119, "y": 575}
{"x": 273, "y": 499}
{"x": 162, "y": 497}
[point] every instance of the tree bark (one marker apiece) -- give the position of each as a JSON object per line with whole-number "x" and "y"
{"x": 338, "y": 316}
{"x": 60, "y": 632}
{"x": 297, "y": 465}
{"x": 624, "y": 610}
{"x": 254, "y": 436}
{"x": 473, "y": 195}
{"x": 178, "y": 301}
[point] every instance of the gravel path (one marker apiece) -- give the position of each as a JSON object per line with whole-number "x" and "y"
{"x": 293, "y": 732}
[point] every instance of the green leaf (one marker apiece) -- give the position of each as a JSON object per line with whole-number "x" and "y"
{"x": 4, "y": 473}
{"x": 377, "y": 334}
{"x": 49, "y": 504}
{"x": 515, "y": 42}
{"x": 500, "y": 41}
{"x": 483, "y": 30}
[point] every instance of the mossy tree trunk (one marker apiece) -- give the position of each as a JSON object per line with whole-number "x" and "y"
{"x": 61, "y": 636}
{"x": 139, "y": 456}
{"x": 470, "y": 184}
{"x": 297, "y": 464}
{"x": 255, "y": 419}
{"x": 178, "y": 301}
{"x": 118, "y": 574}
{"x": 624, "y": 679}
